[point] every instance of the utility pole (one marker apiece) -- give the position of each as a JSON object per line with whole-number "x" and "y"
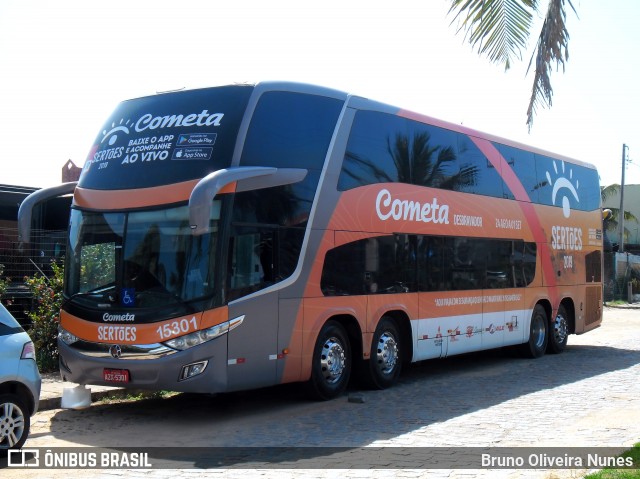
{"x": 625, "y": 148}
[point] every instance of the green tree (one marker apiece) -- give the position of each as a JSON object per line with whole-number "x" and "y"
{"x": 4, "y": 282}
{"x": 98, "y": 266}
{"x": 45, "y": 315}
{"x": 613, "y": 225}
{"x": 500, "y": 29}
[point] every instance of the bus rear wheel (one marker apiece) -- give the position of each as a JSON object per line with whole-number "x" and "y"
{"x": 538, "y": 334}
{"x": 385, "y": 363}
{"x": 331, "y": 363}
{"x": 559, "y": 332}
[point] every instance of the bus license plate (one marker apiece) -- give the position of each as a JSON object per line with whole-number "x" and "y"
{"x": 116, "y": 375}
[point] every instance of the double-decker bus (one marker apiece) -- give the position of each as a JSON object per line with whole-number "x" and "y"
{"x": 243, "y": 236}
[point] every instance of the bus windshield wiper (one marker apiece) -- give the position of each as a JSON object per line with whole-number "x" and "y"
{"x": 99, "y": 291}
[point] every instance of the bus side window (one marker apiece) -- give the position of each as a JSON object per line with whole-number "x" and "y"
{"x": 251, "y": 262}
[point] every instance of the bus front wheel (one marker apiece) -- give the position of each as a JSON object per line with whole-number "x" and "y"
{"x": 384, "y": 364}
{"x": 331, "y": 363}
{"x": 538, "y": 334}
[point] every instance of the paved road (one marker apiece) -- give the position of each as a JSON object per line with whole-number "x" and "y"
{"x": 587, "y": 396}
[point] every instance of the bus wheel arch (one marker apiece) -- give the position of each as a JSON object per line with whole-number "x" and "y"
{"x": 332, "y": 358}
{"x": 390, "y": 348}
{"x": 561, "y": 326}
{"x": 536, "y": 345}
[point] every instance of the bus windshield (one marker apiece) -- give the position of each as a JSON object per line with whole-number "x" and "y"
{"x": 142, "y": 259}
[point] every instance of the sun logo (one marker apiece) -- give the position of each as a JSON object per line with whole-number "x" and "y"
{"x": 112, "y": 134}
{"x": 563, "y": 183}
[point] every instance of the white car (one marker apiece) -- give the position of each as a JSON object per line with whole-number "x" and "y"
{"x": 20, "y": 382}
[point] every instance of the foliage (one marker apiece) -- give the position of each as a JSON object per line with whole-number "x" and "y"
{"x": 612, "y": 224}
{"x": 45, "y": 314}
{"x": 4, "y": 282}
{"x": 98, "y": 267}
{"x": 633, "y": 473}
{"x": 500, "y": 29}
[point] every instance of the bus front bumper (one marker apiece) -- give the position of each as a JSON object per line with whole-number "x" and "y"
{"x": 200, "y": 369}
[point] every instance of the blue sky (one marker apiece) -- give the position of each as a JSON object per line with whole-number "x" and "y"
{"x": 66, "y": 64}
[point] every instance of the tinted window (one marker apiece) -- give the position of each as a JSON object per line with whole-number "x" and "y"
{"x": 593, "y": 265}
{"x": 266, "y": 234}
{"x": 500, "y": 259}
{"x": 386, "y": 264}
{"x": 523, "y": 164}
{"x": 567, "y": 185}
{"x": 259, "y": 256}
{"x": 386, "y": 148}
{"x": 524, "y": 263}
{"x": 482, "y": 177}
{"x": 433, "y": 253}
{"x": 368, "y": 159}
{"x": 290, "y": 130}
{"x": 407, "y": 263}
{"x": 166, "y": 139}
{"x": 433, "y": 158}
{"x": 287, "y": 205}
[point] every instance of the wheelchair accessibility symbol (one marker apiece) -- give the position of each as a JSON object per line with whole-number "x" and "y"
{"x": 128, "y": 297}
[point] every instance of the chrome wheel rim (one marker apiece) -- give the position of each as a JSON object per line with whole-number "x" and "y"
{"x": 11, "y": 424}
{"x": 538, "y": 332}
{"x": 332, "y": 360}
{"x": 387, "y": 353}
{"x": 560, "y": 329}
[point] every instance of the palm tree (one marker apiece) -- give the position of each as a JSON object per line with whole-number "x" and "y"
{"x": 612, "y": 223}
{"x": 500, "y": 29}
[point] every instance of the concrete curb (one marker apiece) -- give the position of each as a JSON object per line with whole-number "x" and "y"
{"x": 623, "y": 306}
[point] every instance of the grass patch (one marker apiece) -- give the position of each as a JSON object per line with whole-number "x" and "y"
{"x": 121, "y": 397}
{"x": 617, "y": 302}
{"x": 634, "y": 454}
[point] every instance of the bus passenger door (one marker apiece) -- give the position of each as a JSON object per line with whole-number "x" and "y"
{"x": 251, "y": 361}
{"x": 252, "y": 346}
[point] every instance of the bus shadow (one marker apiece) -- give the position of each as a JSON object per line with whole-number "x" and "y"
{"x": 279, "y": 424}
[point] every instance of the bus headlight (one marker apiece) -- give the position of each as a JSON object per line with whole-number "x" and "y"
{"x": 194, "y": 339}
{"x": 65, "y": 336}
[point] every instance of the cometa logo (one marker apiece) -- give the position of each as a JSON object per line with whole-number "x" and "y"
{"x": 150, "y": 122}
{"x": 388, "y": 207}
{"x": 204, "y": 118}
{"x": 119, "y": 317}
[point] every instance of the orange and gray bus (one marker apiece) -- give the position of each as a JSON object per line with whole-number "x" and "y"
{"x": 243, "y": 236}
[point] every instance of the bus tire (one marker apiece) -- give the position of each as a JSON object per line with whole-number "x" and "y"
{"x": 559, "y": 332}
{"x": 385, "y": 362}
{"x": 331, "y": 363}
{"x": 538, "y": 334}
